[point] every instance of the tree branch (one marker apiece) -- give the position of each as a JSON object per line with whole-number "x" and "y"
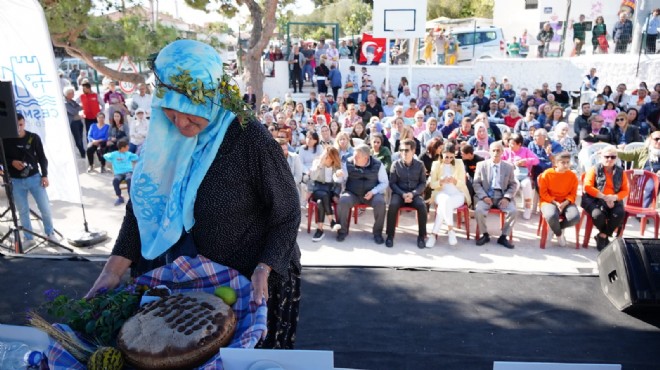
{"x": 100, "y": 67}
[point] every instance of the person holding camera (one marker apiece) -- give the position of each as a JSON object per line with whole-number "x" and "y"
{"x": 28, "y": 169}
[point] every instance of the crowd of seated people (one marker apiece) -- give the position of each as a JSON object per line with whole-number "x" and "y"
{"x": 477, "y": 149}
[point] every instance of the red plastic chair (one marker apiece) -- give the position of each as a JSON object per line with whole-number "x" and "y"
{"x": 404, "y": 209}
{"x": 496, "y": 211}
{"x": 542, "y": 231}
{"x": 585, "y": 218}
{"x": 311, "y": 212}
{"x": 356, "y": 209}
{"x": 637, "y": 180}
{"x": 421, "y": 88}
{"x": 462, "y": 216}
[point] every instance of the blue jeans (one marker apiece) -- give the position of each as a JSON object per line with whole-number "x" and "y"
{"x": 441, "y": 59}
{"x": 32, "y": 184}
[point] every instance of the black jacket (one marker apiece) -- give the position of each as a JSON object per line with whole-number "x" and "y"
{"x": 27, "y": 149}
{"x": 631, "y": 135}
{"x": 405, "y": 179}
{"x": 603, "y": 135}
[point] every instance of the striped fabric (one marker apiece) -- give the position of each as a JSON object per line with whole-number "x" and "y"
{"x": 197, "y": 274}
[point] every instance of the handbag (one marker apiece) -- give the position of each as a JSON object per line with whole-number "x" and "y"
{"x": 602, "y": 43}
{"x": 521, "y": 173}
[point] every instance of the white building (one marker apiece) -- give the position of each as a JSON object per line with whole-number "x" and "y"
{"x": 515, "y": 16}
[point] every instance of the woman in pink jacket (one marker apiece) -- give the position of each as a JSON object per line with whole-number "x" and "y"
{"x": 523, "y": 160}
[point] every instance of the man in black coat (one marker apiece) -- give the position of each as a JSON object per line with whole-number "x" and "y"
{"x": 407, "y": 180}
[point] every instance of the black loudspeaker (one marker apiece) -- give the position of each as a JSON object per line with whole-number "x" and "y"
{"x": 629, "y": 272}
{"x": 8, "y": 124}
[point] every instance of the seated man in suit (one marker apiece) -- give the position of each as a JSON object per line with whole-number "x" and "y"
{"x": 366, "y": 181}
{"x": 407, "y": 180}
{"x": 495, "y": 186}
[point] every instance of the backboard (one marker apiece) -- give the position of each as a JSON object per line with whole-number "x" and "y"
{"x": 399, "y": 19}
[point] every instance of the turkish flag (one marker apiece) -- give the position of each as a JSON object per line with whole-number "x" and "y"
{"x": 372, "y": 49}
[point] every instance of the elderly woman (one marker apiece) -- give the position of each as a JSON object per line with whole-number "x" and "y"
{"x": 449, "y": 192}
{"x": 523, "y": 160}
{"x": 645, "y": 158}
{"x": 512, "y": 118}
{"x": 201, "y": 166}
{"x": 557, "y": 193}
{"x": 480, "y": 140}
{"x": 567, "y": 143}
{"x": 605, "y": 188}
{"x": 623, "y": 132}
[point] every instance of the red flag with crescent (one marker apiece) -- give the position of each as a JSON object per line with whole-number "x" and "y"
{"x": 372, "y": 49}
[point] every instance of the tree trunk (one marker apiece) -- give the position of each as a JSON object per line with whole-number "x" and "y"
{"x": 98, "y": 66}
{"x": 263, "y": 25}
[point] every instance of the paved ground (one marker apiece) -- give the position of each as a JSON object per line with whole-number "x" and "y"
{"x": 358, "y": 249}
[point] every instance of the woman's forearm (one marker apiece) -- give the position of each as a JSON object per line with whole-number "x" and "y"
{"x": 117, "y": 265}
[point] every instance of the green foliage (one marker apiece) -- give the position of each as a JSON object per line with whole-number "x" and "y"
{"x": 360, "y": 14}
{"x": 198, "y": 93}
{"x": 98, "y": 318}
{"x": 70, "y": 22}
{"x": 460, "y": 8}
{"x": 352, "y": 16}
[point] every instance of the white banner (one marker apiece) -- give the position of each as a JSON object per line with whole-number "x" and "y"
{"x": 26, "y": 59}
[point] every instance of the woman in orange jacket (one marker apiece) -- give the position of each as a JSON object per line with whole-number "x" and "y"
{"x": 557, "y": 193}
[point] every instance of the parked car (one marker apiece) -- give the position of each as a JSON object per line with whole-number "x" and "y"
{"x": 480, "y": 43}
{"x": 67, "y": 64}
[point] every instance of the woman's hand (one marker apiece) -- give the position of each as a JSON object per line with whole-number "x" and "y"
{"x": 260, "y": 283}
{"x": 107, "y": 280}
{"x": 111, "y": 275}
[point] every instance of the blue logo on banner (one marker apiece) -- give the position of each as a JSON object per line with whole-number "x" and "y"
{"x": 30, "y": 84}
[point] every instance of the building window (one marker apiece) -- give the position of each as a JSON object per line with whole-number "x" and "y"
{"x": 531, "y": 4}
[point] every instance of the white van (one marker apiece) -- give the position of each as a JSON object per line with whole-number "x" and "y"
{"x": 480, "y": 43}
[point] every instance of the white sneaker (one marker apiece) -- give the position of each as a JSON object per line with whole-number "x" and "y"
{"x": 430, "y": 243}
{"x": 562, "y": 240}
{"x": 527, "y": 213}
{"x": 29, "y": 243}
{"x": 54, "y": 238}
{"x": 452, "y": 237}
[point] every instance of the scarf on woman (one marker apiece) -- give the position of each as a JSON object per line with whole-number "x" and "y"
{"x": 172, "y": 166}
{"x": 481, "y": 143}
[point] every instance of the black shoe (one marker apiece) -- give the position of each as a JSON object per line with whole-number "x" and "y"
{"x": 601, "y": 243}
{"x": 102, "y": 169}
{"x": 379, "y": 239}
{"x": 389, "y": 243}
{"x": 318, "y": 235}
{"x": 341, "y": 237}
{"x": 335, "y": 226}
{"x": 421, "y": 242}
{"x": 485, "y": 238}
{"x": 504, "y": 241}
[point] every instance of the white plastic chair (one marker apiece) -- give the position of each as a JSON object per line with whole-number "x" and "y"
{"x": 503, "y": 128}
{"x": 482, "y": 153}
{"x": 587, "y": 97}
{"x": 633, "y": 146}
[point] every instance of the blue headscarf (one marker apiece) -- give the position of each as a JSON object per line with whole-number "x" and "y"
{"x": 172, "y": 166}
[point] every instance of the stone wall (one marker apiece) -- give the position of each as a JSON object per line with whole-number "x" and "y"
{"x": 530, "y": 73}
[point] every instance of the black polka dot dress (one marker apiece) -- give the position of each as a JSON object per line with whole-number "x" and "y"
{"x": 246, "y": 211}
